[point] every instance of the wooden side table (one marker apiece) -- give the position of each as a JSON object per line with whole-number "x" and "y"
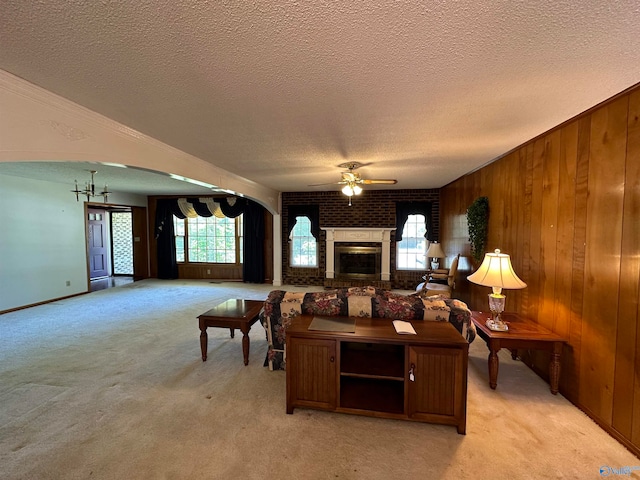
{"x": 523, "y": 333}
{"x": 232, "y": 314}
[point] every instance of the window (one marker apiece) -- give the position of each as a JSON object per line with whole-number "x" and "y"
{"x": 209, "y": 239}
{"x": 304, "y": 251}
{"x": 411, "y": 251}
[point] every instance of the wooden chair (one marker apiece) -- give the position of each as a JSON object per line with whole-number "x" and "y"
{"x": 434, "y": 287}
{"x": 446, "y": 276}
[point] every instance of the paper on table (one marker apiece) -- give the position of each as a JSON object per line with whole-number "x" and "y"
{"x": 404, "y": 328}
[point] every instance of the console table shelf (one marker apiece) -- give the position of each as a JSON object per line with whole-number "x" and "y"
{"x": 377, "y": 372}
{"x": 379, "y": 360}
{"x": 370, "y": 394}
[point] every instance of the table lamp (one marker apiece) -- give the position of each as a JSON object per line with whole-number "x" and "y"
{"x": 496, "y": 272}
{"x": 435, "y": 252}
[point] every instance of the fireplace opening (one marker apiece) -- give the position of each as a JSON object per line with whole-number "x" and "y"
{"x": 358, "y": 262}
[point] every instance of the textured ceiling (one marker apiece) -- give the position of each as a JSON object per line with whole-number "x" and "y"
{"x": 281, "y": 92}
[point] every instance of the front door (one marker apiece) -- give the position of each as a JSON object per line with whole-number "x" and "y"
{"x": 98, "y": 246}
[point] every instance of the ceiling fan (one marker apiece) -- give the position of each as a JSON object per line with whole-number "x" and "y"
{"x": 352, "y": 180}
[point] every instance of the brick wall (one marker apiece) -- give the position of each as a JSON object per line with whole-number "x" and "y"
{"x": 373, "y": 208}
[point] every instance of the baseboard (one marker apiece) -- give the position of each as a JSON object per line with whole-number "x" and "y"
{"x": 42, "y": 303}
{"x": 611, "y": 431}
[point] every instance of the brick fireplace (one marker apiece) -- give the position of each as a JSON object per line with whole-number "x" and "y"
{"x": 374, "y": 209}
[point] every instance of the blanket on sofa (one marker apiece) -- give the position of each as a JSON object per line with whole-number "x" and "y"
{"x": 281, "y": 306}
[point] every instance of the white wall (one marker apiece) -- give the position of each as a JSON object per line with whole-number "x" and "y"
{"x": 30, "y": 131}
{"x": 42, "y": 241}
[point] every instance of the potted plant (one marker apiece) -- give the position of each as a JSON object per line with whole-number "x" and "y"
{"x": 478, "y": 221}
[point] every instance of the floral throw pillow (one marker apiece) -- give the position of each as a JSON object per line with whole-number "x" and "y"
{"x": 435, "y": 309}
{"x": 396, "y": 306}
{"x": 323, "y": 303}
{"x": 359, "y": 305}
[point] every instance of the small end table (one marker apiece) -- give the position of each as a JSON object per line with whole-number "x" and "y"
{"x": 232, "y": 314}
{"x": 523, "y": 333}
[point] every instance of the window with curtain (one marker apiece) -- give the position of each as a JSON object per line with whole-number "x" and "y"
{"x": 209, "y": 239}
{"x": 303, "y": 245}
{"x": 411, "y": 251}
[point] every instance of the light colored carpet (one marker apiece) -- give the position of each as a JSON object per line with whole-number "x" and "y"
{"x": 110, "y": 385}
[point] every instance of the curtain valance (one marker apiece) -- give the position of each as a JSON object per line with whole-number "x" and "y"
{"x": 404, "y": 209}
{"x": 312, "y": 212}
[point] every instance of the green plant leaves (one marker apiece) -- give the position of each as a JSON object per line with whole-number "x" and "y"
{"x": 478, "y": 221}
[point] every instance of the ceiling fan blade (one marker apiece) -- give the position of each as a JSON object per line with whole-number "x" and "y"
{"x": 379, "y": 182}
{"x": 323, "y": 184}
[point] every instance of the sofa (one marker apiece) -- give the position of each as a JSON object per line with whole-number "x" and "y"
{"x": 281, "y": 306}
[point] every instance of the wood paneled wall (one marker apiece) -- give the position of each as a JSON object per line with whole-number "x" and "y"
{"x": 566, "y": 207}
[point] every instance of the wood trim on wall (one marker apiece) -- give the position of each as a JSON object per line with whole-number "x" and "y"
{"x": 140, "y": 243}
{"x": 566, "y": 207}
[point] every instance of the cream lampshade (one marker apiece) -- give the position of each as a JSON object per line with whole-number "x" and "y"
{"x": 496, "y": 272}
{"x": 435, "y": 252}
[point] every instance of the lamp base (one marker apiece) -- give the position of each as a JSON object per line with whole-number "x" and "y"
{"x": 497, "y": 326}
{"x": 496, "y": 306}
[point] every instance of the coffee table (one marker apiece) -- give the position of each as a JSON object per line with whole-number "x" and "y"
{"x": 523, "y": 333}
{"x": 232, "y": 314}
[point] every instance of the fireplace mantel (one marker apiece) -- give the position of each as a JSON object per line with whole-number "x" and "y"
{"x": 371, "y": 235}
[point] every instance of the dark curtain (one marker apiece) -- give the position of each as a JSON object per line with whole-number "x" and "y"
{"x": 165, "y": 236}
{"x": 253, "y": 251}
{"x": 404, "y": 209}
{"x": 237, "y": 208}
{"x": 312, "y": 212}
{"x": 253, "y": 262}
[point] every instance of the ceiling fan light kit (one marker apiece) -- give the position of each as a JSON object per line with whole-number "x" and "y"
{"x": 351, "y": 189}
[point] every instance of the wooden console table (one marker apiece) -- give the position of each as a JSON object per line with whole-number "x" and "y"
{"x": 232, "y": 314}
{"x": 378, "y": 372}
{"x": 523, "y": 333}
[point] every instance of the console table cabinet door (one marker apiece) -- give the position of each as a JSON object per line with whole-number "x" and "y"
{"x": 311, "y": 373}
{"x": 438, "y": 392}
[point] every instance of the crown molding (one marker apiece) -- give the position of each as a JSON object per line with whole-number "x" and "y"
{"x": 66, "y": 113}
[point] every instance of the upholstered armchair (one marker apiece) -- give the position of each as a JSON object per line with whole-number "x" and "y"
{"x": 441, "y": 282}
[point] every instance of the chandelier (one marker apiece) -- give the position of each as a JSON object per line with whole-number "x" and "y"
{"x": 90, "y": 189}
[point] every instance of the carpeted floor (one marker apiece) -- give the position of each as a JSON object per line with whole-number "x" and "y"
{"x": 110, "y": 385}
